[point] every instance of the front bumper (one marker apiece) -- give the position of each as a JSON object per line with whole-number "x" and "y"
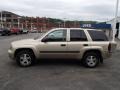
{"x": 11, "y": 54}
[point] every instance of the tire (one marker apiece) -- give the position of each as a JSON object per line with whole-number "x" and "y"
{"x": 2, "y": 34}
{"x": 25, "y": 58}
{"x": 9, "y": 34}
{"x": 91, "y": 60}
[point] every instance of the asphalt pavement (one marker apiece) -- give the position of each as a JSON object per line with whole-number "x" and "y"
{"x": 56, "y": 74}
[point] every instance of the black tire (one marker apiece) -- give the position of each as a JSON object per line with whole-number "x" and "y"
{"x": 2, "y": 34}
{"x": 9, "y": 34}
{"x": 29, "y": 61}
{"x": 91, "y": 59}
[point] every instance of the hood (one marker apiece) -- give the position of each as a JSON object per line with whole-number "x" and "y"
{"x": 25, "y": 42}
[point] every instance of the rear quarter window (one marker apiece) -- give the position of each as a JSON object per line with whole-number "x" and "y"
{"x": 98, "y": 35}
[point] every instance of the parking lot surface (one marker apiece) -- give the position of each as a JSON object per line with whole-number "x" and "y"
{"x": 56, "y": 74}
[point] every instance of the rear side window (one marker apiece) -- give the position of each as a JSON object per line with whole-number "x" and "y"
{"x": 98, "y": 35}
{"x": 77, "y": 35}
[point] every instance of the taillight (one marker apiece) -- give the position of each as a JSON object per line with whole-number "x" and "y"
{"x": 109, "y": 47}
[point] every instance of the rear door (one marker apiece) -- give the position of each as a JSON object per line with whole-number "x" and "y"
{"x": 77, "y": 41}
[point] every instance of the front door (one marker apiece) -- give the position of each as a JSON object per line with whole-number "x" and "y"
{"x": 55, "y": 45}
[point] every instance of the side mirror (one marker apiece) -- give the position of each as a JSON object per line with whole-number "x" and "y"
{"x": 45, "y": 40}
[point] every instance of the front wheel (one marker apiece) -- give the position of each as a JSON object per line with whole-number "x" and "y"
{"x": 25, "y": 58}
{"x": 91, "y": 59}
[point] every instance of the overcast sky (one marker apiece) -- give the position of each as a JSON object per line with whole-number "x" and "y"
{"x": 63, "y": 9}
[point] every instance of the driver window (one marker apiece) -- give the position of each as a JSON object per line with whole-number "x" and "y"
{"x": 58, "y": 35}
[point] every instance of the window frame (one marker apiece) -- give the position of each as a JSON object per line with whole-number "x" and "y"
{"x": 57, "y": 30}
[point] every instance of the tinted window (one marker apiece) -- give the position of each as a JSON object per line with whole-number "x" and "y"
{"x": 98, "y": 35}
{"x": 77, "y": 35}
{"x": 58, "y": 35}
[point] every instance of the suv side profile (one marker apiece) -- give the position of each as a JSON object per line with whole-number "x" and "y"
{"x": 89, "y": 46}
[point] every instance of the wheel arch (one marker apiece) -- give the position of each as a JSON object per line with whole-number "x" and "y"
{"x": 20, "y": 49}
{"x": 95, "y": 51}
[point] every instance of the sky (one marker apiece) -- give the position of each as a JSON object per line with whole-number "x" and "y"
{"x": 100, "y": 10}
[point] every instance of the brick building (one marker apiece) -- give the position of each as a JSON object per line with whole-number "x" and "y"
{"x": 8, "y": 19}
{"x": 12, "y": 20}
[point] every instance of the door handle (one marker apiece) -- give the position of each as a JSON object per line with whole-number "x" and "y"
{"x": 63, "y": 45}
{"x": 85, "y": 44}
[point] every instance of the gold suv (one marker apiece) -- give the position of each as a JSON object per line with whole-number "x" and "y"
{"x": 88, "y": 45}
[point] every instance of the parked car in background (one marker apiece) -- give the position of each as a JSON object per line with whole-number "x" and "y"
{"x": 23, "y": 31}
{"x": 15, "y": 31}
{"x": 88, "y": 45}
{"x": 39, "y": 31}
{"x": 5, "y": 31}
{"x": 34, "y": 31}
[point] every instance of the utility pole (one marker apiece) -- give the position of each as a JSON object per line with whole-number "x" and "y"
{"x": 22, "y": 25}
{"x": 26, "y": 22}
{"x": 64, "y": 22}
{"x": 10, "y": 25}
{"x": 19, "y": 22}
{"x": 115, "y": 20}
{"x": 75, "y": 24}
{"x": 4, "y": 24}
{"x": 1, "y": 19}
{"x": 31, "y": 24}
{"x": 59, "y": 24}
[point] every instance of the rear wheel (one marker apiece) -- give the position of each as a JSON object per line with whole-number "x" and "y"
{"x": 25, "y": 58}
{"x": 91, "y": 59}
